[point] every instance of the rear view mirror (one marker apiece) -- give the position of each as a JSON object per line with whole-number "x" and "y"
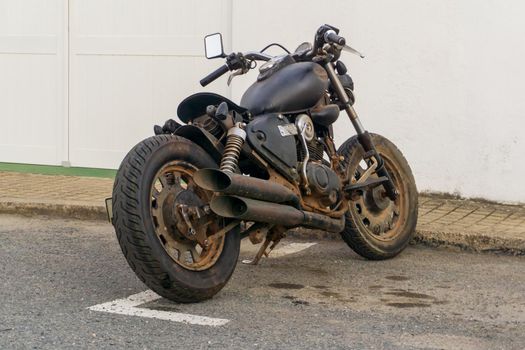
{"x": 213, "y": 46}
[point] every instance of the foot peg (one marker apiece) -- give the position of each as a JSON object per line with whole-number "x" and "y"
{"x": 369, "y": 183}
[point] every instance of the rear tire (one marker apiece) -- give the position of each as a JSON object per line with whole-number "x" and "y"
{"x": 366, "y": 221}
{"x": 136, "y": 230}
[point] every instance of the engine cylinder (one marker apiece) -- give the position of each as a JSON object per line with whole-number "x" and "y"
{"x": 315, "y": 148}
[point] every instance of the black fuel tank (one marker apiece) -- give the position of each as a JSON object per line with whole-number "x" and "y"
{"x": 296, "y": 87}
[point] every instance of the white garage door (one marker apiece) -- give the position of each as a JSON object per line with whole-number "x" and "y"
{"x": 33, "y": 100}
{"x": 131, "y": 62}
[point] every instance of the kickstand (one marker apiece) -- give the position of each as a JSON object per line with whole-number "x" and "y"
{"x": 274, "y": 237}
{"x": 261, "y": 252}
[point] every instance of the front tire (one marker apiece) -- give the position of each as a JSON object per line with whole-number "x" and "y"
{"x": 377, "y": 228}
{"x": 147, "y": 232}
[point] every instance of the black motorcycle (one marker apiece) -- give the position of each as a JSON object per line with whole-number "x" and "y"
{"x": 184, "y": 198}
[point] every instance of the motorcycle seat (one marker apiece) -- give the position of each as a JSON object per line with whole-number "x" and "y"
{"x": 195, "y": 105}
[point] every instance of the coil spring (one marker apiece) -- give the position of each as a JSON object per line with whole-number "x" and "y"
{"x": 232, "y": 150}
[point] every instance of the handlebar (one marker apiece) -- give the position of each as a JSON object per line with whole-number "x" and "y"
{"x": 233, "y": 62}
{"x": 332, "y": 37}
{"x": 215, "y": 75}
{"x": 326, "y": 34}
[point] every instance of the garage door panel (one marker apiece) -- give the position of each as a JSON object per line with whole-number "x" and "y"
{"x": 26, "y": 44}
{"x": 138, "y": 46}
{"x": 32, "y": 91}
{"x": 130, "y": 67}
{"x": 118, "y": 99}
{"x": 129, "y": 92}
{"x": 29, "y": 110}
{"x": 30, "y": 17}
{"x": 28, "y": 89}
{"x": 147, "y": 18}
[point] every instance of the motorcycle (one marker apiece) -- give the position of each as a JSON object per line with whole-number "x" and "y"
{"x": 184, "y": 198}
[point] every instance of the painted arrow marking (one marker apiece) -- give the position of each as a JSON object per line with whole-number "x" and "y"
{"x": 290, "y": 249}
{"x": 129, "y": 306}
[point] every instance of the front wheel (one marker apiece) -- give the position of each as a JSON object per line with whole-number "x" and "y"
{"x": 162, "y": 223}
{"x": 376, "y": 227}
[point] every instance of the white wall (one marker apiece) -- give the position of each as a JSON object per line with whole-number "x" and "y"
{"x": 32, "y": 81}
{"x": 442, "y": 79}
{"x": 132, "y": 61}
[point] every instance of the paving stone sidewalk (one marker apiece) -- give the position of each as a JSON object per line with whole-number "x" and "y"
{"x": 68, "y": 196}
{"x": 472, "y": 225}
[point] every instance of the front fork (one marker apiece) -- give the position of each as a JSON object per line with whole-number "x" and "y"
{"x": 362, "y": 135}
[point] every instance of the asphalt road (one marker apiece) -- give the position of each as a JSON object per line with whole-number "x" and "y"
{"x": 322, "y": 297}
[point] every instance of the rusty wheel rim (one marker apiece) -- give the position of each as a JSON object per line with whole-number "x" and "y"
{"x": 172, "y": 186}
{"x": 379, "y": 216}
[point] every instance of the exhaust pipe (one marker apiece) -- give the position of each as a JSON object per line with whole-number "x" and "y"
{"x": 285, "y": 215}
{"x": 245, "y": 186}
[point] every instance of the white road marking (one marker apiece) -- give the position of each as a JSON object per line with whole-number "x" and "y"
{"x": 129, "y": 306}
{"x": 290, "y": 249}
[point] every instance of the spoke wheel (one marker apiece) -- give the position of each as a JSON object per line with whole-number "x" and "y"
{"x": 188, "y": 245}
{"x": 376, "y": 227}
{"x": 377, "y": 213}
{"x": 170, "y": 238}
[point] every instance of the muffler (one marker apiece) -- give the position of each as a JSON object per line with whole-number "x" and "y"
{"x": 273, "y": 213}
{"x": 244, "y": 186}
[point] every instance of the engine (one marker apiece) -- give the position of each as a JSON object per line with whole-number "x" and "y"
{"x": 315, "y": 150}
{"x": 324, "y": 183}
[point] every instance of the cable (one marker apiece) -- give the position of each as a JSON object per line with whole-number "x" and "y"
{"x": 275, "y": 44}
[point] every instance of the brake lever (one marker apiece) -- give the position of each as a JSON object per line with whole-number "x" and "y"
{"x": 352, "y": 50}
{"x": 239, "y": 71}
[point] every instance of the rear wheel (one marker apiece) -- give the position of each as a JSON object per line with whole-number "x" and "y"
{"x": 376, "y": 227}
{"x": 164, "y": 226}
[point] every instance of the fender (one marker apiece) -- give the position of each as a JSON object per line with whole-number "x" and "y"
{"x": 195, "y": 105}
{"x": 202, "y": 138}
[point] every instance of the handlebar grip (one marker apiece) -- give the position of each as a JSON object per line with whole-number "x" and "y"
{"x": 331, "y": 37}
{"x": 215, "y": 75}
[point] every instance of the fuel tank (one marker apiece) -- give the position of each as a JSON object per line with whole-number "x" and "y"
{"x": 293, "y": 88}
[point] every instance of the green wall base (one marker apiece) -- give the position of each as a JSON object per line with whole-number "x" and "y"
{"x": 57, "y": 170}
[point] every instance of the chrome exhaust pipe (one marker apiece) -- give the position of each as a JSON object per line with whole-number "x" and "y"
{"x": 244, "y": 186}
{"x": 273, "y": 213}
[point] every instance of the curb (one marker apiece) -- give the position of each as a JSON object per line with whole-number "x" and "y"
{"x": 475, "y": 242}
{"x": 70, "y": 211}
{"x": 472, "y": 241}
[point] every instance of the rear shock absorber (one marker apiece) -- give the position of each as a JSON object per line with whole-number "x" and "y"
{"x": 232, "y": 150}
